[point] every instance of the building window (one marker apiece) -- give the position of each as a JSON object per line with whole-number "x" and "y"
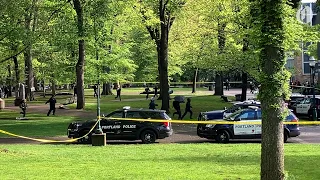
{"x": 307, "y": 14}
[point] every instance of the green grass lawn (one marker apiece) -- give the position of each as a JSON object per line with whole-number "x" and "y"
{"x": 156, "y": 161}
{"x": 37, "y": 125}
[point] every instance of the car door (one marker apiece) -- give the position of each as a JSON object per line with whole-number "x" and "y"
{"x": 258, "y": 126}
{"x": 111, "y": 127}
{"x": 299, "y": 107}
{"x": 129, "y": 128}
{"x": 245, "y": 129}
{"x": 306, "y": 106}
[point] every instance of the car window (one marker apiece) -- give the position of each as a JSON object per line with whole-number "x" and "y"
{"x": 133, "y": 114}
{"x": 259, "y": 115}
{"x": 116, "y": 114}
{"x": 307, "y": 101}
{"x": 152, "y": 115}
{"x": 247, "y": 115}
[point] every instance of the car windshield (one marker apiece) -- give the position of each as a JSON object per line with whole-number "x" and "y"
{"x": 232, "y": 116}
{"x": 233, "y": 108}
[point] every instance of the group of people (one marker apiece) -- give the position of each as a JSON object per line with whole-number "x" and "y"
{"x": 176, "y": 106}
{"x": 4, "y": 92}
{"x": 52, "y": 104}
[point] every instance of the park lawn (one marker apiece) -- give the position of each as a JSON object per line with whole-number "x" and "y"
{"x": 37, "y": 125}
{"x": 156, "y": 161}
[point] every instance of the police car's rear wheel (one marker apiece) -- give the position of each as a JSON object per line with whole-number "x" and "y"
{"x": 148, "y": 137}
{"x": 222, "y": 136}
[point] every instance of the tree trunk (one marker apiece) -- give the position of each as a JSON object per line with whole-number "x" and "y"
{"x": 273, "y": 80}
{"x": 16, "y": 70}
{"x": 163, "y": 55}
{"x": 53, "y": 88}
{"x": 80, "y": 76}
{"x": 244, "y": 86}
{"x": 218, "y": 88}
{"x": 9, "y": 81}
{"x": 106, "y": 89}
{"x": 194, "y": 83}
{"x": 81, "y": 60}
{"x": 28, "y": 60}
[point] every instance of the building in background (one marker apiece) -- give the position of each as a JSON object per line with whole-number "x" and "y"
{"x": 299, "y": 65}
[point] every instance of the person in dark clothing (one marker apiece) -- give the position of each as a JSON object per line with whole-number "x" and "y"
{"x": 23, "y": 106}
{"x": 152, "y": 104}
{"x": 155, "y": 91}
{"x": 74, "y": 91}
{"x": 188, "y": 109}
{"x": 251, "y": 87}
{"x": 118, "y": 93}
{"x": 52, "y": 101}
{"x": 227, "y": 85}
{"x": 95, "y": 91}
{"x": 176, "y": 106}
{"x": 6, "y": 92}
{"x": 147, "y": 91}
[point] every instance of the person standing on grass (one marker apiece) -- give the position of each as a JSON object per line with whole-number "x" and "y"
{"x": 6, "y": 92}
{"x": 118, "y": 93}
{"x": 23, "y": 106}
{"x": 188, "y": 109}
{"x": 52, "y": 101}
{"x": 147, "y": 91}
{"x": 95, "y": 91}
{"x": 155, "y": 91}
{"x": 176, "y": 106}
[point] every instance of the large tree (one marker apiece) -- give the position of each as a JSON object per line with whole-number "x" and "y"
{"x": 165, "y": 11}
{"x": 274, "y": 86}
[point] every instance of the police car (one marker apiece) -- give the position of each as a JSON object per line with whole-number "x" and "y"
{"x": 224, "y": 132}
{"x": 305, "y": 106}
{"x": 147, "y": 132}
{"x": 220, "y": 114}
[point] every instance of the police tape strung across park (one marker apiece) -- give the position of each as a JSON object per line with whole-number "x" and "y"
{"x": 154, "y": 120}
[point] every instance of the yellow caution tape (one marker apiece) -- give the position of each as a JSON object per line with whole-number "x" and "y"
{"x": 49, "y": 141}
{"x": 154, "y": 120}
{"x": 206, "y": 122}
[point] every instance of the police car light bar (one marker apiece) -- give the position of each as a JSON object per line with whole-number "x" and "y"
{"x": 126, "y": 107}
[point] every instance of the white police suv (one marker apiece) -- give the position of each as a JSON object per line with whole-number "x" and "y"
{"x": 224, "y": 132}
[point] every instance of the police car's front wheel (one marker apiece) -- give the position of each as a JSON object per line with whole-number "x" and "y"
{"x": 222, "y": 136}
{"x": 148, "y": 137}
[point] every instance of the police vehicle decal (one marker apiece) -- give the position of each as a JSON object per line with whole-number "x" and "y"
{"x": 243, "y": 129}
{"x": 111, "y": 127}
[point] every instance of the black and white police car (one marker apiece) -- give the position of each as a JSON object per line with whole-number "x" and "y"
{"x": 145, "y": 131}
{"x": 220, "y": 114}
{"x": 224, "y": 132}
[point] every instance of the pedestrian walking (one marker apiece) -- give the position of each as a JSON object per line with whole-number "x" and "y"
{"x": 147, "y": 91}
{"x": 75, "y": 91}
{"x": 188, "y": 109}
{"x": 118, "y": 93}
{"x": 52, "y": 101}
{"x": 176, "y": 106}
{"x": 152, "y": 104}
{"x": 6, "y": 92}
{"x": 251, "y": 87}
{"x": 227, "y": 85}
{"x": 95, "y": 93}
{"x": 155, "y": 91}
{"x": 23, "y": 107}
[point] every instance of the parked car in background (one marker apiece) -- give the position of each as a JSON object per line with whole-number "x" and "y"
{"x": 305, "y": 106}
{"x": 224, "y": 132}
{"x": 220, "y": 114}
{"x": 147, "y": 132}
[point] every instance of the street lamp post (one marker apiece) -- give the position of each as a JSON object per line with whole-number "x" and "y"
{"x": 312, "y": 64}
